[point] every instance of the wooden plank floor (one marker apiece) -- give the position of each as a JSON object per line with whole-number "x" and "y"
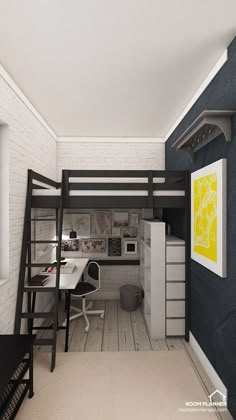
{"x": 119, "y": 331}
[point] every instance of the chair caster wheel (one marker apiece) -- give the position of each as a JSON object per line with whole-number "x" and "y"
{"x": 86, "y": 329}
{"x": 102, "y": 316}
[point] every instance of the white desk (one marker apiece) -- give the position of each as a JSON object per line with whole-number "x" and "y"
{"x": 67, "y": 281}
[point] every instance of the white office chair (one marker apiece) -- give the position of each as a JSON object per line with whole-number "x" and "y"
{"x": 89, "y": 284}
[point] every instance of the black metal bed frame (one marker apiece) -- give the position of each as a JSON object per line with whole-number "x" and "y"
{"x": 173, "y": 181}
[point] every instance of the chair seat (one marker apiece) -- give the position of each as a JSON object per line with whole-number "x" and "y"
{"x": 83, "y": 288}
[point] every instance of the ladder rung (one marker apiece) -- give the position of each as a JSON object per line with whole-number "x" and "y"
{"x": 43, "y": 328}
{"x": 33, "y": 315}
{"x": 42, "y": 242}
{"x": 42, "y": 220}
{"x": 43, "y": 342}
{"x": 40, "y": 289}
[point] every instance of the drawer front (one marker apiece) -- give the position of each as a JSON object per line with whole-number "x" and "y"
{"x": 175, "y": 272}
{"x": 175, "y": 327}
{"x": 175, "y": 309}
{"x": 175, "y": 290}
{"x": 175, "y": 254}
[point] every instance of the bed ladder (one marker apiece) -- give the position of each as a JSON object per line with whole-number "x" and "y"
{"x": 26, "y": 266}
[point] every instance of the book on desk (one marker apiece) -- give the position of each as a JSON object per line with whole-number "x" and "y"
{"x": 38, "y": 280}
{"x": 66, "y": 268}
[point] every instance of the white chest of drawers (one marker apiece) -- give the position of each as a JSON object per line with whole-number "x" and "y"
{"x": 175, "y": 286}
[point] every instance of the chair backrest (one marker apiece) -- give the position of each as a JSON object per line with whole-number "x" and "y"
{"x": 94, "y": 272}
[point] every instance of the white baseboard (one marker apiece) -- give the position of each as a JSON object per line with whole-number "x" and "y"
{"x": 212, "y": 374}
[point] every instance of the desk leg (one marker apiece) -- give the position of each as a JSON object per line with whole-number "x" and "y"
{"x": 67, "y": 322}
{"x": 31, "y": 377}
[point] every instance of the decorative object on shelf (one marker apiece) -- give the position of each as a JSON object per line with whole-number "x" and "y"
{"x": 131, "y": 247}
{"x": 120, "y": 218}
{"x": 114, "y": 247}
{"x": 77, "y": 221}
{"x": 101, "y": 222}
{"x": 93, "y": 245}
{"x": 208, "y": 215}
{"x": 208, "y": 126}
{"x": 134, "y": 219}
{"x": 129, "y": 232}
{"x": 115, "y": 231}
{"x": 70, "y": 245}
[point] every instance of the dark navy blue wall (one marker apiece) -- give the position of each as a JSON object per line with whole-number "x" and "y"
{"x": 213, "y": 299}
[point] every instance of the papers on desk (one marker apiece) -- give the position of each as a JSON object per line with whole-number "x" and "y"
{"x": 68, "y": 268}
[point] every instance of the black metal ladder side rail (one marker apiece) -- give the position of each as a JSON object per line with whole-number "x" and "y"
{"x": 59, "y": 225}
{"x": 21, "y": 281}
{"x": 26, "y": 264}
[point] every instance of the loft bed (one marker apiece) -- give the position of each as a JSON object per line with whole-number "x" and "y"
{"x": 85, "y": 189}
{"x": 111, "y": 189}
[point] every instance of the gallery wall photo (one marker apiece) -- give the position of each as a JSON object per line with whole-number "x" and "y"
{"x": 208, "y": 217}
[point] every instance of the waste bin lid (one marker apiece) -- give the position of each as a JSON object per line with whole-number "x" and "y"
{"x": 130, "y": 288}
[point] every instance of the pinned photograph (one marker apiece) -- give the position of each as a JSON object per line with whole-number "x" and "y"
{"x": 120, "y": 218}
{"x": 115, "y": 231}
{"x": 114, "y": 247}
{"x": 134, "y": 219}
{"x": 101, "y": 222}
{"x": 80, "y": 222}
{"x": 129, "y": 232}
{"x": 71, "y": 245}
{"x": 93, "y": 245}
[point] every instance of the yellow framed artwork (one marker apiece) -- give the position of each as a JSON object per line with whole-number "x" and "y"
{"x": 208, "y": 217}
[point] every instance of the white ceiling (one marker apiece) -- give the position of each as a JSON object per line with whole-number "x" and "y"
{"x": 113, "y": 67}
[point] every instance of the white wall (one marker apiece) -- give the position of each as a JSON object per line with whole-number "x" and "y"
{"x": 98, "y": 153}
{"x": 4, "y": 203}
{"x": 31, "y": 145}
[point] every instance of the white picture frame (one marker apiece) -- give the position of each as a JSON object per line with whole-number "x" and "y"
{"x": 130, "y": 247}
{"x": 208, "y": 217}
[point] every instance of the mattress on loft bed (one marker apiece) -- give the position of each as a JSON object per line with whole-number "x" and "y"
{"x": 83, "y": 193}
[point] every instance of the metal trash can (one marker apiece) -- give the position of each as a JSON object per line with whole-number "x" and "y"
{"x": 130, "y": 297}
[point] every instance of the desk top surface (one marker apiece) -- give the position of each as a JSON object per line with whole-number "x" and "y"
{"x": 12, "y": 351}
{"x": 68, "y": 281}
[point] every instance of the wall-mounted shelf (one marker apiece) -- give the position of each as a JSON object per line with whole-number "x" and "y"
{"x": 208, "y": 126}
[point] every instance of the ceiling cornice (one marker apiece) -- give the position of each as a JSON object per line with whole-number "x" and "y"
{"x": 219, "y": 64}
{"x": 8, "y": 79}
{"x": 110, "y": 140}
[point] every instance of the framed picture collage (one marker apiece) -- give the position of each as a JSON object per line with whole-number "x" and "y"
{"x": 110, "y": 232}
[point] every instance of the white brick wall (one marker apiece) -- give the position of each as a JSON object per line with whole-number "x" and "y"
{"x": 99, "y": 155}
{"x": 30, "y": 146}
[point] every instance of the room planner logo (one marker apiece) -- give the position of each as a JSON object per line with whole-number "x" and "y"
{"x": 217, "y": 401}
